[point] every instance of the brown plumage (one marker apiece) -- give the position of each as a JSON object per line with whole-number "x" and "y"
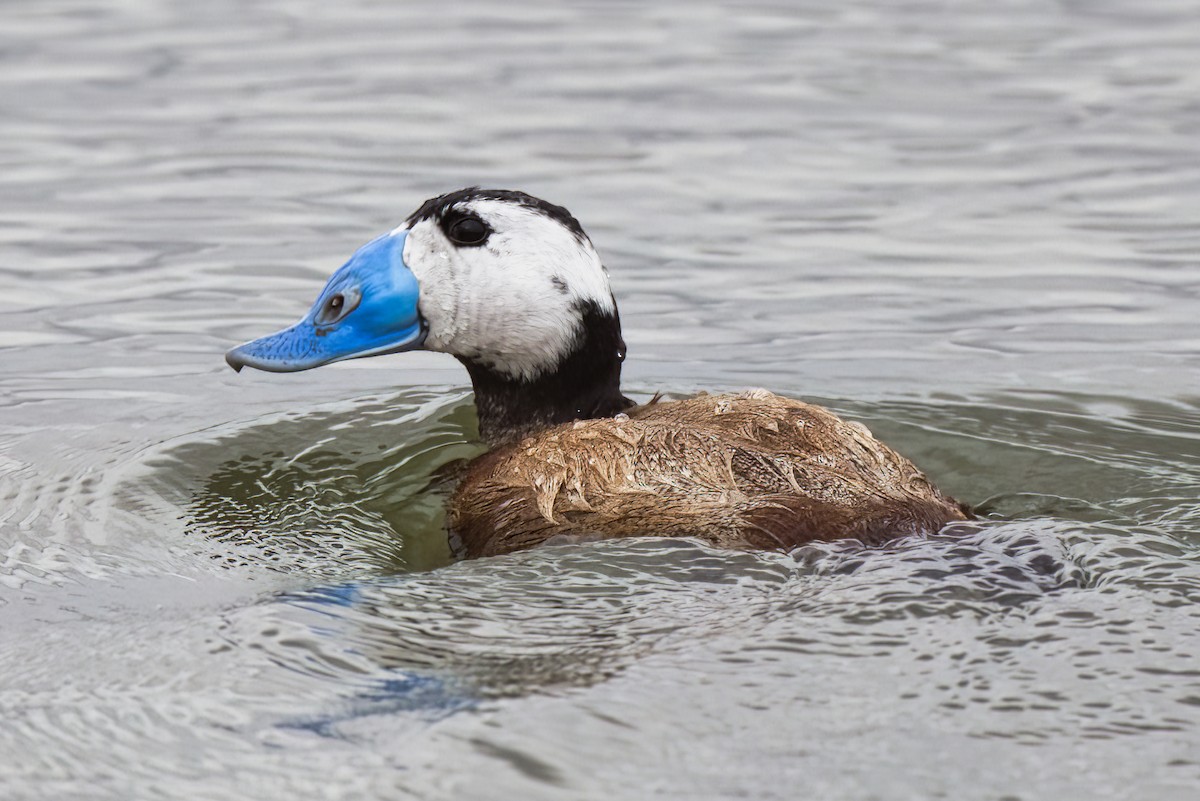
{"x": 753, "y": 470}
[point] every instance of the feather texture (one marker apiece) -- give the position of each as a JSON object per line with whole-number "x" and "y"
{"x": 754, "y": 470}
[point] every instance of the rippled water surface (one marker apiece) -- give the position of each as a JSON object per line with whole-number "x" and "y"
{"x": 973, "y": 226}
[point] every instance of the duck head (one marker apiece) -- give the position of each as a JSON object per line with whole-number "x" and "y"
{"x": 507, "y": 283}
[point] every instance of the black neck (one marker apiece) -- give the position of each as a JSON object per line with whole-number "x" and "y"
{"x": 586, "y": 384}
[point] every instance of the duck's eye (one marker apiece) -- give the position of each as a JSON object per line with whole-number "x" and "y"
{"x": 337, "y": 306}
{"x": 468, "y": 231}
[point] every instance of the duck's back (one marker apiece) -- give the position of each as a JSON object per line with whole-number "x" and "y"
{"x": 745, "y": 471}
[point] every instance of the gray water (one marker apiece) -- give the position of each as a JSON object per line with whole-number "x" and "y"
{"x": 972, "y": 226}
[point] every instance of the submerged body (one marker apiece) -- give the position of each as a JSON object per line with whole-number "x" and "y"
{"x": 512, "y": 287}
{"x": 753, "y": 470}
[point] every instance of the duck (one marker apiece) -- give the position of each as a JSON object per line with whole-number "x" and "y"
{"x": 513, "y": 288}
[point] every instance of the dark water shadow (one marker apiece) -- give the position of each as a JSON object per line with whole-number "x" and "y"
{"x": 357, "y": 488}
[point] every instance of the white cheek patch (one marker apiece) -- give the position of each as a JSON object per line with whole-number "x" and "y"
{"x": 514, "y": 303}
{"x": 428, "y": 255}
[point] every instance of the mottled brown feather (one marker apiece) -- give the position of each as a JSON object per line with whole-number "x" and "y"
{"x": 742, "y": 471}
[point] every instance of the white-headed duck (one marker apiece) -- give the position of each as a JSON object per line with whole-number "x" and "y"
{"x": 512, "y": 287}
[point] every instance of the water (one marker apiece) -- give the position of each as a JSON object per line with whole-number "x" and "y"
{"x": 971, "y": 226}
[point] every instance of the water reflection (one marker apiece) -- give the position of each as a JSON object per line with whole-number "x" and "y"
{"x": 556, "y": 620}
{"x": 541, "y": 621}
{"x": 354, "y": 489}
